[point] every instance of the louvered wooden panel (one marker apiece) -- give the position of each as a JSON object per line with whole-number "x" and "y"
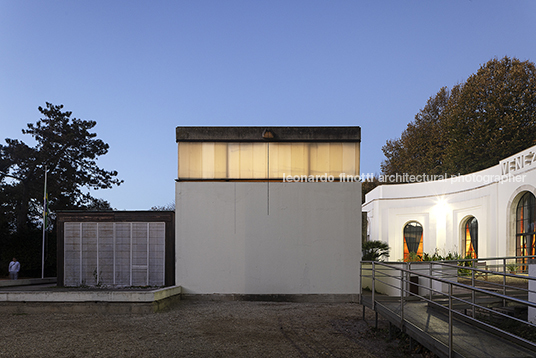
{"x": 106, "y": 253}
{"x": 157, "y": 234}
{"x": 89, "y": 254}
{"x": 114, "y": 254}
{"x": 72, "y": 250}
{"x": 140, "y": 248}
{"x": 122, "y": 254}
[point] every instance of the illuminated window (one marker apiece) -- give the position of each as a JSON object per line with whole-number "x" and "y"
{"x": 470, "y": 246}
{"x": 413, "y": 242}
{"x": 526, "y": 227}
{"x": 274, "y": 160}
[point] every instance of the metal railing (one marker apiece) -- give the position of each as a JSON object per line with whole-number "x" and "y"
{"x": 478, "y": 291}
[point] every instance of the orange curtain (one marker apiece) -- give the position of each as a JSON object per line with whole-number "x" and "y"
{"x": 419, "y": 250}
{"x": 469, "y": 249}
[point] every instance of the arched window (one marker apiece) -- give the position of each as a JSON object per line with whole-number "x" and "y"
{"x": 526, "y": 226}
{"x": 470, "y": 246}
{"x": 413, "y": 241}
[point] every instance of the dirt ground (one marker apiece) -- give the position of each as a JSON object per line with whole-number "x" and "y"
{"x": 205, "y": 329}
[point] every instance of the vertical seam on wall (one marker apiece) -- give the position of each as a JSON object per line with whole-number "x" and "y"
{"x": 97, "y": 275}
{"x": 130, "y": 261}
{"x": 234, "y": 208}
{"x": 114, "y": 243}
{"x": 147, "y": 259}
{"x": 268, "y": 181}
{"x": 164, "y": 255}
{"x": 81, "y": 262}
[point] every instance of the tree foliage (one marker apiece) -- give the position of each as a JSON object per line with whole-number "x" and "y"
{"x": 167, "y": 207}
{"x": 421, "y": 146}
{"x": 69, "y": 150}
{"x": 374, "y": 250}
{"x": 367, "y": 185}
{"x": 472, "y": 126}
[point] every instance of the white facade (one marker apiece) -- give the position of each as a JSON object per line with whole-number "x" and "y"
{"x": 443, "y": 208}
{"x": 268, "y": 237}
{"x": 262, "y": 211}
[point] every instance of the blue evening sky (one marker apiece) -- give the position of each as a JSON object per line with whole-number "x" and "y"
{"x": 141, "y": 68}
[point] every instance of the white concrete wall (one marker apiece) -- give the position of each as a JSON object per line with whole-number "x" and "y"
{"x": 268, "y": 238}
{"x": 443, "y": 206}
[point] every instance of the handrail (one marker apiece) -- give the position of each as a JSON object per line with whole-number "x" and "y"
{"x": 447, "y": 264}
{"x": 406, "y": 271}
{"x": 474, "y": 259}
{"x": 462, "y": 285}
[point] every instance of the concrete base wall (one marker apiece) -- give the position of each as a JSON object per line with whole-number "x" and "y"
{"x": 260, "y": 238}
{"x": 89, "y": 307}
{"x": 313, "y": 298}
{"x": 89, "y": 301}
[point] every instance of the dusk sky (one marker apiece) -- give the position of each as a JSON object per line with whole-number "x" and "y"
{"x": 142, "y": 68}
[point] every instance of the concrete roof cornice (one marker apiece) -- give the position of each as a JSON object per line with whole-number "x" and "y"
{"x": 268, "y": 134}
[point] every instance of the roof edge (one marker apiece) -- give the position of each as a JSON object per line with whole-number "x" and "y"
{"x": 268, "y": 134}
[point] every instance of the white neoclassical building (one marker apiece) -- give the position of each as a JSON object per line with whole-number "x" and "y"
{"x": 491, "y": 213}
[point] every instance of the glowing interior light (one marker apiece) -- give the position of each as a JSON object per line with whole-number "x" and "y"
{"x": 275, "y": 160}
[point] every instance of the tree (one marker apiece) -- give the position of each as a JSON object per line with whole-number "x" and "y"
{"x": 69, "y": 150}
{"x": 471, "y": 127}
{"x": 420, "y": 147}
{"x": 495, "y": 109}
{"x": 374, "y": 250}
{"x": 167, "y": 207}
{"x": 367, "y": 184}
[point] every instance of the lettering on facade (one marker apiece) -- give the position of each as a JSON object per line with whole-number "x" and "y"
{"x": 518, "y": 162}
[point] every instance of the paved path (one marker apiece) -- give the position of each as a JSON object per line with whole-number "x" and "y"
{"x": 430, "y": 327}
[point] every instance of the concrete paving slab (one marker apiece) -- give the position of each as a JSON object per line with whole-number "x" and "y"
{"x": 430, "y": 328}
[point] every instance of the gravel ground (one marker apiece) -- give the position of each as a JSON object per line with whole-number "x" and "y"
{"x": 203, "y": 329}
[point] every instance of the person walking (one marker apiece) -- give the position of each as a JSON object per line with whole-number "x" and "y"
{"x": 14, "y": 268}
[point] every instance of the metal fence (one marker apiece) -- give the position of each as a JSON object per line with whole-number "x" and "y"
{"x": 495, "y": 294}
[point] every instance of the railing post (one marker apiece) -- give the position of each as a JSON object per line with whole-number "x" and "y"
{"x": 373, "y": 285}
{"x": 450, "y": 321}
{"x": 504, "y": 281}
{"x": 361, "y": 282}
{"x": 408, "y": 278}
{"x": 430, "y": 289}
{"x": 473, "y": 294}
{"x": 431, "y": 280}
{"x": 402, "y": 274}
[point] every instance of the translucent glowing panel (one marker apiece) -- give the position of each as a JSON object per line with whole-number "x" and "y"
{"x": 209, "y": 160}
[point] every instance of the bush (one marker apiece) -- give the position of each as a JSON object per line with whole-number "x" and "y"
{"x": 374, "y": 250}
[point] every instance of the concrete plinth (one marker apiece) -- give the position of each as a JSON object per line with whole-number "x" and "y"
{"x": 89, "y": 301}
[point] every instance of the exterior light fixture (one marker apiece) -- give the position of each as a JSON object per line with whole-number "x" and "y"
{"x": 268, "y": 134}
{"x": 441, "y": 207}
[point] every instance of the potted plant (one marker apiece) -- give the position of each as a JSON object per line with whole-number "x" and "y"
{"x": 512, "y": 268}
